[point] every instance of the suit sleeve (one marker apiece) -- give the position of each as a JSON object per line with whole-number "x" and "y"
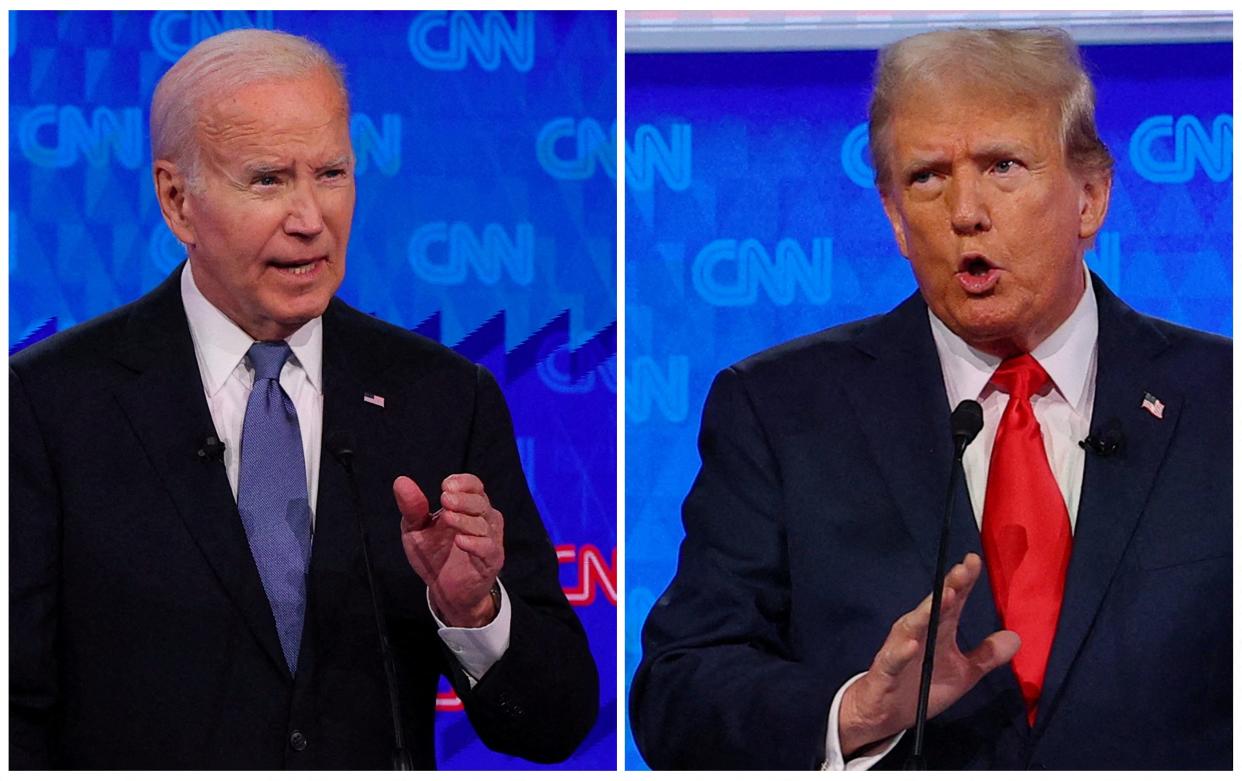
{"x": 541, "y": 698}
{"x": 34, "y": 561}
{"x": 718, "y": 686}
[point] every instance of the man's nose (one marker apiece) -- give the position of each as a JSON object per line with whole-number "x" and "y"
{"x": 968, "y": 205}
{"x": 305, "y": 217}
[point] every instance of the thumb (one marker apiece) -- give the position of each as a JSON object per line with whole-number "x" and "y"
{"x": 412, "y": 503}
{"x": 998, "y": 649}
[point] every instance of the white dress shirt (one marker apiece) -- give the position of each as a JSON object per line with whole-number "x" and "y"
{"x": 220, "y": 347}
{"x": 1063, "y": 410}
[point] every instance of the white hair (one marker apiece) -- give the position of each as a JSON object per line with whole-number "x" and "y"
{"x": 218, "y": 66}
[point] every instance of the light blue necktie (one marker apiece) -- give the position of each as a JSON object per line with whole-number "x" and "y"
{"x": 271, "y": 495}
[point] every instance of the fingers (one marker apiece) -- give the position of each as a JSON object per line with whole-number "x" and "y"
{"x": 997, "y": 649}
{"x": 412, "y": 503}
{"x": 905, "y": 640}
{"x": 485, "y": 549}
{"x": 963, "y": 577}
{"x": 465, "y": 510}
{"x": 909, "y": 632}
{"x": 462, "y": 494}
{"x": 913, "y": 625}
{"x": 466, "y": 503}
{"x": 958, "y": 583}
{"x": 464, "y": 483}
{"x": 472, "y": 525}
{"x": 467, "y": 507}
{"x": 897, "y": 654}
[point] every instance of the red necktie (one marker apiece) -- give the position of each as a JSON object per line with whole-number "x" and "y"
{"x": 1026, "y": 531}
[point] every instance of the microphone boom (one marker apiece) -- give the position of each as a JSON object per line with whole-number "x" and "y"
{"x": 965, "y": 423}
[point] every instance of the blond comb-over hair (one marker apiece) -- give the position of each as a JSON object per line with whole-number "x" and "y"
{"x": 1039, "y": 65}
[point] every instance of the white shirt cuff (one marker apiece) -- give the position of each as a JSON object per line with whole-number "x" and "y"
{"x": 833, "y": 759}
{"x": 477, "y": 648}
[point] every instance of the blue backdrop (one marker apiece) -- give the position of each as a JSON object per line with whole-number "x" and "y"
{"x": 751, "y": 218}
{"x": 476, "y": 225}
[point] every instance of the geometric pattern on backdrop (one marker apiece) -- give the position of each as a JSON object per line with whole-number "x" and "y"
{"x": 479, "y": 223}
{"x": 751, "y": 218}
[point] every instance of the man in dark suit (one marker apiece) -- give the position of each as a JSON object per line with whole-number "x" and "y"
{"x": 1095, "y": 631}
{"x": 172, "y": 461}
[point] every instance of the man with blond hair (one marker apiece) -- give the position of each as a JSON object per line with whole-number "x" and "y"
{"x": 1088, "y": 621}
{"x": 220, "y": 493}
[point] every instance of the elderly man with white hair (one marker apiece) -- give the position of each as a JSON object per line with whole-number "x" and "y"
{"x": 1088, "y": 623}
{"x": 222, "y": 553}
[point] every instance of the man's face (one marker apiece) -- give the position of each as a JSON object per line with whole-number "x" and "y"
{"x": 268, "y": 224}
{"x": 992, "y": 219}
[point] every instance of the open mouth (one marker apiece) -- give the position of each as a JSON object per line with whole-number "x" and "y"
{"x": 298, "y": 267}
{"x": 976, "y": 274}
{"x": 976, "y": 267}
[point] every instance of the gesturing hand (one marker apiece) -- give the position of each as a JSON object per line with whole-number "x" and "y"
{"x": 458, "y": 551}
{"x": 882, "y": 702}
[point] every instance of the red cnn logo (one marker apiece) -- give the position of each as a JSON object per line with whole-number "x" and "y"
{"x": 594, "y": 575}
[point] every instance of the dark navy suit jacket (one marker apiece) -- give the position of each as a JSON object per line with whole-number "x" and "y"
{"x": 140, "y": 634}
{"x": 814, "y": 522}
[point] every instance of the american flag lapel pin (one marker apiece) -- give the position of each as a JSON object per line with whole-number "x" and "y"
{"x": 1153, "y": 405}
{"x": 373, "y": 398}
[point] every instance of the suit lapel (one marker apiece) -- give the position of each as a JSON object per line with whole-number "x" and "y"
{"x": 336, "y": 535}
{"x": 900, "y": 395}
{"x": 1115, "y": 489}
{"x": 166, "y": 408}
{"x": 353, "y": 369}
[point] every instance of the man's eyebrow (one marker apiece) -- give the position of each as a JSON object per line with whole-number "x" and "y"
{"x": 341, "y": 161}
{"x": 922, "y": 162}
{"x": 999, "y": 149}
{"x": 264, "y": 167}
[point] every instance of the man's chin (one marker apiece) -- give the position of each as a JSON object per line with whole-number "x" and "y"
{"x": 299, "y": 318}
{"x": 281, "y": 323}
{"x": 983, "y": 328}
{"x": 1002, "y": 343}
{"x": 302, "y": 306}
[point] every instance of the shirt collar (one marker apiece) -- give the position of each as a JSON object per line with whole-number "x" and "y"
{"x": 221, "y": 344}
{"x": 1067, "y": 355}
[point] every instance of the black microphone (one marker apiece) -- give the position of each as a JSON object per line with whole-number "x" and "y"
{"x": 341, "y": 445}
{"x": 965, "y": 423}
{"x": 1107, "y": 441}
{"x": 212, "y": 449}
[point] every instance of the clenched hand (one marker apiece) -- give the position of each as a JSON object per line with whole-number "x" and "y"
{"x": 457, "y": 551}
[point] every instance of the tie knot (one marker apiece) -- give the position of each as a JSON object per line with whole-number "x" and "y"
{"x": 268, "y": 358}
{"x": 1020, "y": 376}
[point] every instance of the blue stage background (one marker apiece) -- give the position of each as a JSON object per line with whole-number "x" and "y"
{"x": 475, "y": 225}
{"x": 751, "y": 219}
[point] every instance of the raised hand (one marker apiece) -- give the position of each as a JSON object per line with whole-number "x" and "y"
{"x": 882, "y": 702}
{"x": 457, "y": 551}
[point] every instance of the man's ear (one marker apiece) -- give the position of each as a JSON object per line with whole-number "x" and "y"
{"x": 894, "y": 218}
{"x": 1093, "y": 195}
{"x": 170, "y": 191}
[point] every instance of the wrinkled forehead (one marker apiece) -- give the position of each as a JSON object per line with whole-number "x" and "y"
{"x": 309, "y": 113}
